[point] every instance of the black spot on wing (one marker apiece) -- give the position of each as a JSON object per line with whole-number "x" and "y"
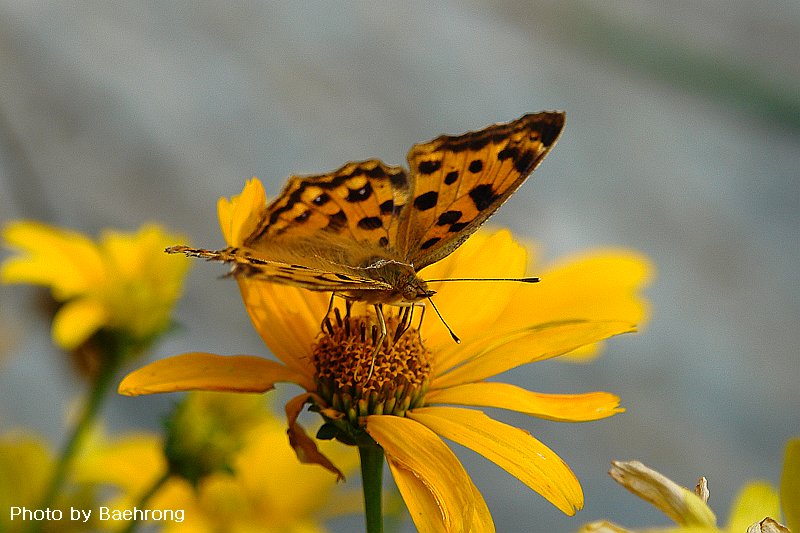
{"x": 523, "y": 164}
{"x": 399, "y": 180}
{"x": 475, "y": 166}
{"x": 337, "y": 221}
{"x": 360, "y": 194}
{"x": 550, "y": 132}
{"x": 322, "y": 199}
{"x": 426, "y": 201}
{"x": 302, "y": 217}
{"x": 448, "y": 217}
{"x": 507, "y": 153}
{"x": 384, "y": 242}
{"x": 387, "y": 207}
{"x": 451, "y": 177}
{"x": 376, "y": 172}
{"x": 429, "y": 167}
{"x": 482, "y": 196}
{"x": 430, "y": 242}
{"x": 370, "y": 223}
{"x": 458, "y": 226}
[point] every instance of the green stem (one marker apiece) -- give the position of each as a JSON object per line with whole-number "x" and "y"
{"x": 372, "y": 483}
{"x": 145, "y": 498}
{"x": 104, "y": 379}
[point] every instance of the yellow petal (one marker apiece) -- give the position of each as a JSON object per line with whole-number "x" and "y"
{"x": 597, "y": 285}
{"x": 78, "y": 320}
{"x": 683, "y": 506}
{"x": 239, "y": 216}
{"x": 790, "y": 485}
{"x": 469, "y": 305}
{"x": 420, "y": 501}
{"x": 133, "y": 255}
{"x": 432, "y": 481}
{"x": 559, "y": 407}
{"x": 132, "y": 462}
{"x": 482, "y": 519}
{"x": 287, "y": 319}
{"x": 205, "y": 371}
{"x": 512, "y": 449}
{"x": 492, "y": 353}
{"x": 754, "y": 502}
{"x": 26, "y": 464}
{"x": 68, "y": 262}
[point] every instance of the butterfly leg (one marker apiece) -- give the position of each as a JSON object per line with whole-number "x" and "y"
{"x": 421, "y": 316}
{"x": 326, "y": 316}
{"x": 406, "y": 316}
{"x": 379, "y": 339}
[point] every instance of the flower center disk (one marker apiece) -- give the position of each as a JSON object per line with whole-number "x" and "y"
{"x": 349, "y": 380}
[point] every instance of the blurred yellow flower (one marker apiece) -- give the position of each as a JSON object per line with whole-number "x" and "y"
{"x": 123, "y": 283}
{"x": 757, "y": 507}
{"x": 250, "y": 480}
{"x": 401, "y": 403}
{"x": 26, "y": 465}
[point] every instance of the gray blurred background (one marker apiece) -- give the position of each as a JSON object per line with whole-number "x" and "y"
{"x": 682, "y": 141}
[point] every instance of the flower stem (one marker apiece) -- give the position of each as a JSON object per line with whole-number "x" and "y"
{"x": 97, "y": 394}
{"x": 372, "y": 483}
{"x": 145, "y": 498}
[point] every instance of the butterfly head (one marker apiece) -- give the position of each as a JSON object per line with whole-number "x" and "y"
{"x": 415, "y": 289}
{"x": 407, "y": 287}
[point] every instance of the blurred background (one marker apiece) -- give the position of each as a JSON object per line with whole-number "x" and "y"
{"x": 682, "y": 141}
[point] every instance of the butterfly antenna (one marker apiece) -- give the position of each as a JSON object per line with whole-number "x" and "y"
{"x": 455, "y": 337}
{"x": 520, "y": 280}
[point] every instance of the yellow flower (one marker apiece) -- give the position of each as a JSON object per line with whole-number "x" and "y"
{"x": 259, "y": 485}
{"x": 26, "y": 465}
{"x": 123, "y": 283}
{"x": 404, "y": 397}
{"x": 757, "y": 507}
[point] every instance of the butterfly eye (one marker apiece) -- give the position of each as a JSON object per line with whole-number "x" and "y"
{"x": 410, "y": 292}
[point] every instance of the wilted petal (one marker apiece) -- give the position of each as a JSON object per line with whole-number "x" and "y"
{"x": 768, "y": 525}
{"x": 512, "y": 449}
{"x": 205, "y": 371}
{"x": 559, "y": 407}
{"x": 304, "y": 446}
{"x": 603, "y": 527}
{"x": 680, "y": 504}
{"x": 434, "y": 484}
{"x": 493, "y": 353}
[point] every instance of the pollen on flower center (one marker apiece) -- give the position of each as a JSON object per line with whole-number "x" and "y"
{"x": 349, "y": 381}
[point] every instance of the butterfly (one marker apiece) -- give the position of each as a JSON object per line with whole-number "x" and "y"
{"x": 364, "y": 231}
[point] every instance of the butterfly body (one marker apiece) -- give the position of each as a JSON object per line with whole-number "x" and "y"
{"x": 366, "y": 230}
{"x": 406, "y": 287}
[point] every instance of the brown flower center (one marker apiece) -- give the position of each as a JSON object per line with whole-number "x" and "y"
{"x": 357, "y": 380}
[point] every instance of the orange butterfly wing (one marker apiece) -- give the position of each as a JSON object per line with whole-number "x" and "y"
{"x": 459, "y": 181}
{"x": 358, "y": 202}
